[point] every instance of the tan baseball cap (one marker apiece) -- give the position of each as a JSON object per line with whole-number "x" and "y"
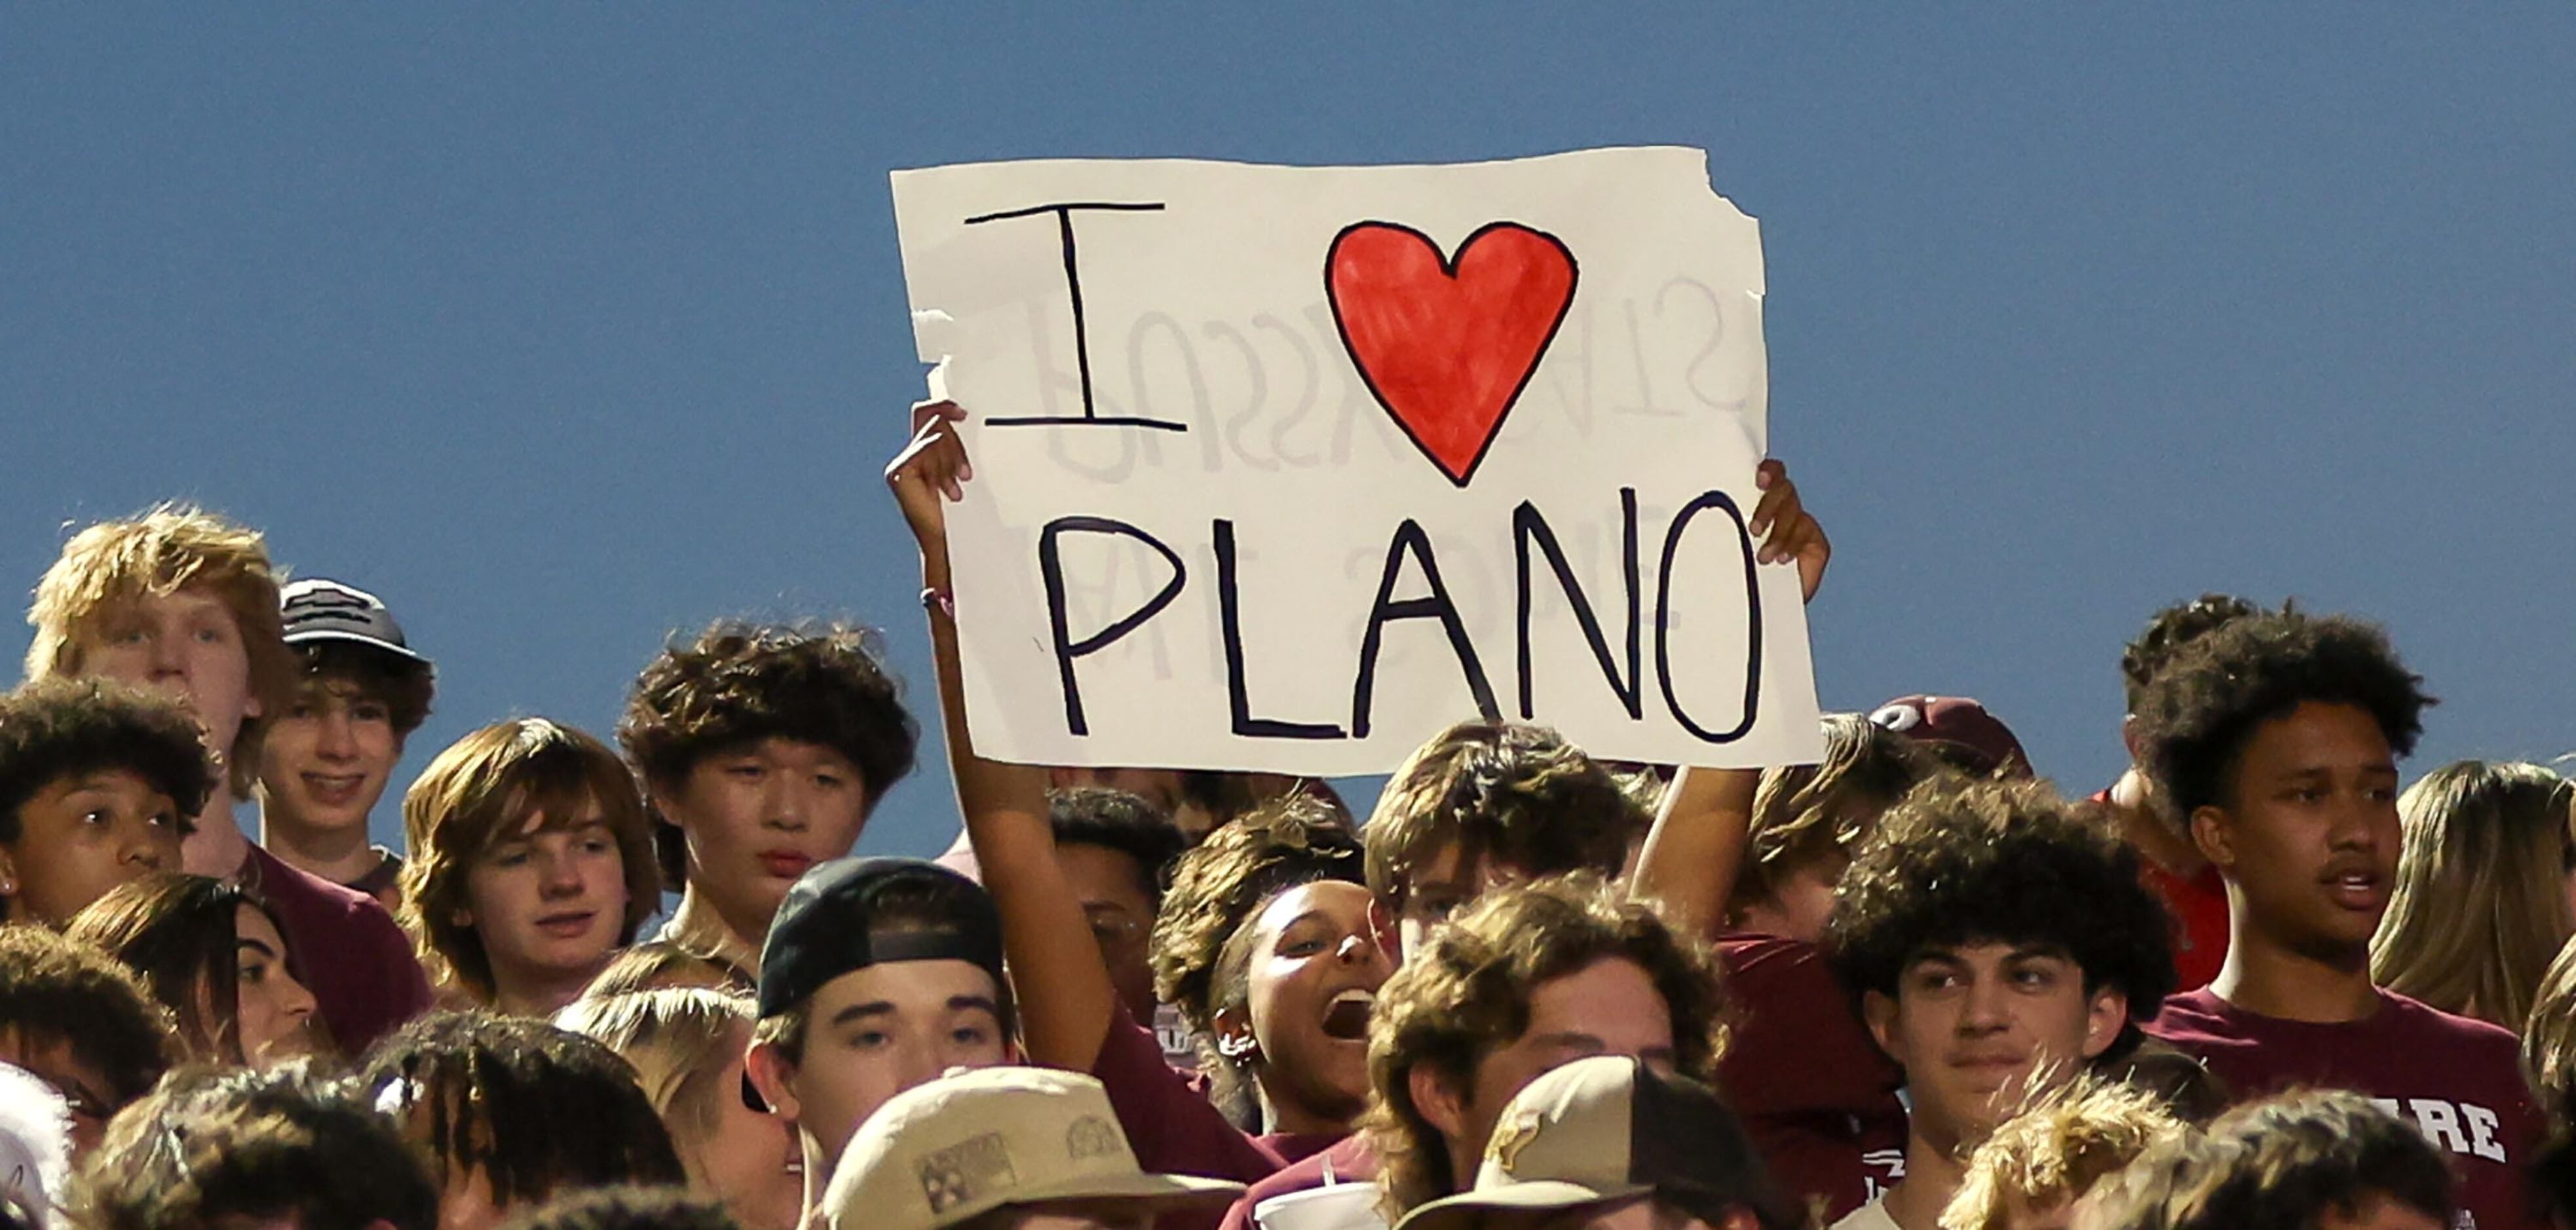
{"x": 1609, "y": 1128}
{"x": 973, "y": 1141}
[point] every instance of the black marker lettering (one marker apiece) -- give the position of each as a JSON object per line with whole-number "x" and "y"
{"x": 1063, "y": 211}
{"x": 1528, "y": 527}
{"x": 1410, "y": 540}
{"x": 1051, "y": 571}
{"x": 1239, "y": 693}
{"x": 1752, "y": 618}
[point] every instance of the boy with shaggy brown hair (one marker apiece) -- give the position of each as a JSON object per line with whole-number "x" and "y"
{"x": 186, "y": 603}
{"x": 763, "y": 751}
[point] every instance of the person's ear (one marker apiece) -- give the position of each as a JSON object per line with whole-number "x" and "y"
{"x": 774, "y": 1077}
{"x": 2104, "y": 1019}
{"x": 8, "y": 882}
{"x": 1443, "y": 1106}
{"x": 2213, "y": 831}
{"x": 1878, "y": 1011}
{"x": 461, "y": 918}
{"x": 2132, "y": 739}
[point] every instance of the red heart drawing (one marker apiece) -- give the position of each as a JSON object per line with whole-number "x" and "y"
{"x": 1447, "y": 345}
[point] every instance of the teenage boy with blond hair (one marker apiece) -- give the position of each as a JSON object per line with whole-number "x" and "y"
{"x": 186, "y": 602}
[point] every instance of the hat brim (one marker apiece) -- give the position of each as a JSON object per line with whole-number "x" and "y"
{"x": 1157, "y": 1192}
{"x": 353, "y": 638}
{"x": 1544, "y": 1195}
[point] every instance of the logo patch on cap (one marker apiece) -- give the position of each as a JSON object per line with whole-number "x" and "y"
{"x": 1510, "y": 1137}
{"x": 966, "y": 1172}
{"x": 1090, "y": 1137}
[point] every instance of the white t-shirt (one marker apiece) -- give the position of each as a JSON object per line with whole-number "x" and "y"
{"x": 1871, "y": 1216}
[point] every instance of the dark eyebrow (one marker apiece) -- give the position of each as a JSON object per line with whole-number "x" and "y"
{"x": 259, "y": 946}
{"x": 855, "y": 1011}
{"x": 1574, "y": 1037}
{"x": 969, "y": 1003}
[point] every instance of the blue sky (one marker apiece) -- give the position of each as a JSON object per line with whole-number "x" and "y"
{"x": 566, "y": 326}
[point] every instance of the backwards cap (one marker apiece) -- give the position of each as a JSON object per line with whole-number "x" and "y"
{"x": 827, "y": 927}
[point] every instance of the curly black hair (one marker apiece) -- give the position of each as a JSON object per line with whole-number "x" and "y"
{"x": 57, "y": 989}
{"x": 739, "y": 683}
{"x": 1968, "y": 860}
{"x": 2202, "y": 708}
{"x": 58, "y": 728}
{"x": 2172, "y": 628}
{"x": 225, "y": 1146}
{"x": 626, "y": 1208}
{"x": 536, "y": 1108}
{"x": 1123, "y": 822}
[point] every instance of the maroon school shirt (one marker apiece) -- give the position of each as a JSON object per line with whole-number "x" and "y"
{"x": 1172, "y": 1128}
{"x": 2457, "y": 1079}
{"x": 1351, "y": 1161}
{"x": 1815, "y": 1093}
{"x": 357, "y": 963}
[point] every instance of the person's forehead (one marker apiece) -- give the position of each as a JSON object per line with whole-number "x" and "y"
{"x": 1983, "y": 953}
{"x": 924, "y": 985}
{"x": 794, "y": 753}
{"x": 184, "y": 603}
{"x": 2318, "y": 735}
{"x": 1339, "y": 900}
{"x": 108, "y": 780}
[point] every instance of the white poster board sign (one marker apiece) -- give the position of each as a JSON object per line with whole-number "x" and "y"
{"x": 1288, "y": 468}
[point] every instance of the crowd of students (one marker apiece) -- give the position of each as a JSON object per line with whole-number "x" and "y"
{"x": 2251, "y": 983}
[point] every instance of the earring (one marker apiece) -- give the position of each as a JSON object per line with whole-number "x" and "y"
{"x": 1237, "y": 1048}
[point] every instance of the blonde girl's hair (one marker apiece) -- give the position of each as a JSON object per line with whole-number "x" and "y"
{"x": 679, "y": 1041}
{"x": 2480, "y": 906}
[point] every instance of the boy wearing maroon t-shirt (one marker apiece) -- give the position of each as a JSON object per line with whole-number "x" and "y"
{"x": 2277, "y": 735}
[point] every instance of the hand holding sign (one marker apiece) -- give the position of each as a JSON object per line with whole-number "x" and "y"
{"x": 1287, "y": 469}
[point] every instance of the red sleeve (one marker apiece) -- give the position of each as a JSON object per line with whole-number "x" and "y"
{"x": 1172, "y": 1128}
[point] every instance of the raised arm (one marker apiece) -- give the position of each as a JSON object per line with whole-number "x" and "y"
{"x": 1697, "y": 846}
{"x": 1066, "y": 1000}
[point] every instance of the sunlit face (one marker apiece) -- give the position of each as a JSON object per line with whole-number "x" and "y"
{"x": 273, "y": 1013}
{"x": 85, "y": 1089}
{"x": 1610, "y": 1007}
{"x": 1311, "y": 983}
{"x": 1981, "y": 1027}
{"x": 873, "y": 1033}
{"x": 325, "y": 761}
{"x": 549, "y": 903}
{"x": 747, "y": 1159}
{"x": 754, "y": 818}
{"x": 80, "y": 836}
{"x": 1114, "y": 900}
{"x": 186, "y": 644}
{"x": 2309, "y": 834}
